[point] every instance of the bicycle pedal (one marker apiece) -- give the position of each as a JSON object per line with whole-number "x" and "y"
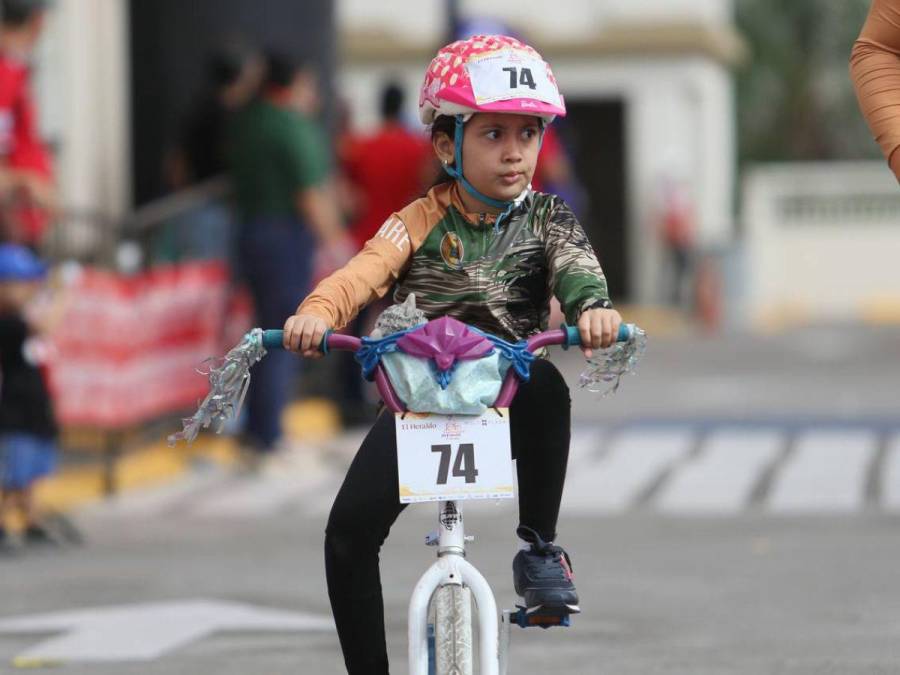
{"x": 543, "y": 617}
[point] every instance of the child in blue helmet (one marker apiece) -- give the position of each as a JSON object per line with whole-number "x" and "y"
{"x": 27, "y": 426}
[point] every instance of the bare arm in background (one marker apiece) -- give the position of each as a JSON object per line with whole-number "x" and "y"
{"x": 875, "y": 71}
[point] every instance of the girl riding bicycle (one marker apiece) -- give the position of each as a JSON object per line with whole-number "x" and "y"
{"x": 483, "y": 248}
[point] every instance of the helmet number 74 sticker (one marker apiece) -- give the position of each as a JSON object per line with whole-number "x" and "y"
{"x": 508, "y": 74}
{"x": 519, "y": 76}
{"x": 454, "y": 457}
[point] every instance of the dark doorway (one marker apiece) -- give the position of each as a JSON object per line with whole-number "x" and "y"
{"x": 594, "y": 133}
{"x": 171, "y": 41}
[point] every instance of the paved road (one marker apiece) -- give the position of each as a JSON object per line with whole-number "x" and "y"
{"x": 744, "y": 594}
{"x": 734, "y": 509}
{"x": 844, "y": 372}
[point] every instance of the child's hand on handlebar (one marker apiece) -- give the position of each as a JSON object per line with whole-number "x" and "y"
{"x": 303, "y": 333}
{"x": 599, "y": 329}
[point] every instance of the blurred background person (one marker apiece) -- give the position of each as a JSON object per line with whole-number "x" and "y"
{"x": 875, "y": 70}
{"x": 676, "y": 229}
{"x": 282, "y": 173}
{"x": 26, "y": 180}
{"x": 234, "y": 72}
{"x": 27, "y": 425}
{"x": 385, "y": 168}
{"x": 555, "y": 173}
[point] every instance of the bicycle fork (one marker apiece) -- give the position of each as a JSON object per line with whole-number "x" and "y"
{"x": 452, "y": 568}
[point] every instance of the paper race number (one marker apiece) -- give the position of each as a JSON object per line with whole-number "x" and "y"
{"x": 443, "y": 457}
{"x": 506, "y": 74}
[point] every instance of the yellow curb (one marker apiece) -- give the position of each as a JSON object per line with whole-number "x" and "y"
{"x": 876, "y": 311}
{"x": 883, "y": 311}
{"x": 28, "y": 663}
{"x": 309, "y": 420}
{"x": 152, "y": 465}
{"x": 658, "y": 320}
{"x": 782, "y": 317}
{"x": 313, "y": 419}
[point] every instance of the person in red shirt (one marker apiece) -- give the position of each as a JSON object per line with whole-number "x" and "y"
{"x": 390, "y": 167}
{"x": 26, "y": 186}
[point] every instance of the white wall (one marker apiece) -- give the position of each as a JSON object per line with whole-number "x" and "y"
{"x": 423, "y": 21}
{"x": 82, "y": 92}
{"x": 821, "y": 241}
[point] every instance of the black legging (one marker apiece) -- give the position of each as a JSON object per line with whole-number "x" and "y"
{"x": 368, "y": 503}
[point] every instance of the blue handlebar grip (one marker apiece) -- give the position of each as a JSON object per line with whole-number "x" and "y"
{"x": 323, "y": 346}
{"x": 273, "y": 339}
{"x": 626, "y": 332}
{"x": 573, "y": 337}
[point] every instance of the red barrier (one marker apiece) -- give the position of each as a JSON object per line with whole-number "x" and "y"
{"x": 128, "y": 348}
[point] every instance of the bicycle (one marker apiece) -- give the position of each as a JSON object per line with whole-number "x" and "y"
{"x": 443, "y": 647}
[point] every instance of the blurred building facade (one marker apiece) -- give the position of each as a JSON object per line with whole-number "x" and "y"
{"x": 649, "y": 88}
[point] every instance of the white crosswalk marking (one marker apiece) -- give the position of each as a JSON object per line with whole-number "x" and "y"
{"x": 634, "y": 459}
{"x": 826, "y": 472}
{"x": 719, "y": 480}
{"x": 890, "y": 478}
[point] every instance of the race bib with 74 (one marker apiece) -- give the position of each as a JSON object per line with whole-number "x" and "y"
{"x": 454, "y": 457}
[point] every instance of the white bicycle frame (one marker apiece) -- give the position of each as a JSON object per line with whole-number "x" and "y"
{"x": 451, "y": 567}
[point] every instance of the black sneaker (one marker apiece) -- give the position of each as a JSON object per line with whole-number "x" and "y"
{"x": 38, "y": 535}
{"x": 543, "y": 576}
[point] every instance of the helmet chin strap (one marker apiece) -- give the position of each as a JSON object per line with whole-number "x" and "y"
{"x": 457, "y": 173}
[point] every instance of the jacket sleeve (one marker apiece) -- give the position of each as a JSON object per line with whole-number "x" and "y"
{"x": 368, "y": 276}
{"x": 576, "y": 278}
{"x": 875, "y": 71}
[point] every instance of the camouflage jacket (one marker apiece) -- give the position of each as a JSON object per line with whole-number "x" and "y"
{"x": 458, "y": 264}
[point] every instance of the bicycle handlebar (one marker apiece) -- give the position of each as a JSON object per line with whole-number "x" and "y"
{"x": 564, "y": 335}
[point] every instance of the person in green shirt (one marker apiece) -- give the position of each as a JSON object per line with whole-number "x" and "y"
{"x": 280, "y": 165}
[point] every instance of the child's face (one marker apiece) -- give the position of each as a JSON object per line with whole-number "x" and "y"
{"x": 500, "y": 153}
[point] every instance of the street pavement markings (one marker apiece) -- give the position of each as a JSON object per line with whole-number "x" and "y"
{"x": 672, "y": 470}
{"x": 146, "y": 631}
{"x": 720, "y": 479}
{"x": 890, "y": 485}
{"x": 634, "y": 460}
{"x": 825, "y": 473}
{"x": 172, "y": 497}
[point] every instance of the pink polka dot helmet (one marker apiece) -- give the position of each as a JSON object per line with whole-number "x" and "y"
{"x": 489, "y": 73}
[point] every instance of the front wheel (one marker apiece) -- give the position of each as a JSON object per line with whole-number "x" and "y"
{"x": 453, "y": 630}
